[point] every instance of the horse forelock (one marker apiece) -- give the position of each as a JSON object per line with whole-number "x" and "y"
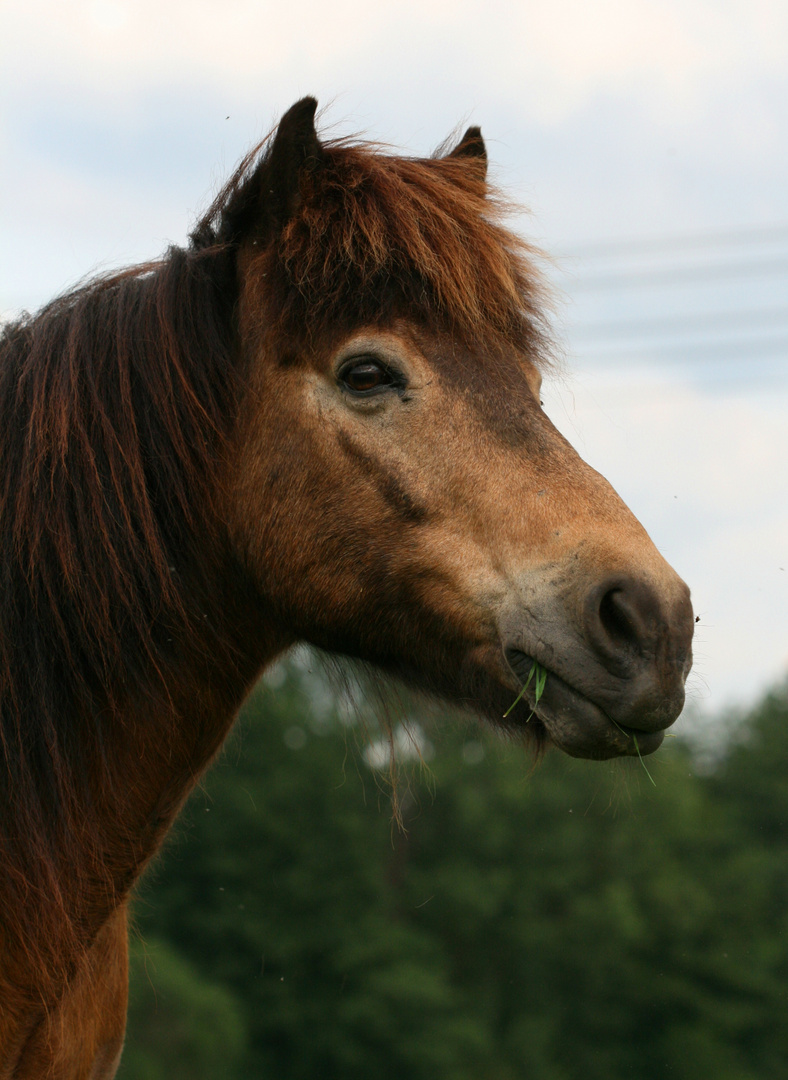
{"x": 426, "y": 236}
{"x": 376, "y": 236}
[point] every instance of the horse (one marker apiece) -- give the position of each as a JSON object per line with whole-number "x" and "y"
{"x": 317, "y": 422}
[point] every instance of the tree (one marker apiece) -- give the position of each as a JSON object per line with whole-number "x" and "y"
{"x": 546, "y": 923}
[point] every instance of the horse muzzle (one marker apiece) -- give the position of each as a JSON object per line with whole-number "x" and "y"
{"x": 616, "y": 659}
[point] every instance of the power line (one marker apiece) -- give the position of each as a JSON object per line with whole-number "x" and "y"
{"x": 743, "y": 349}
{"x": 709, "y": 322}
{"x": 601, "y": 249}
{"x": 672, "y": 275}
{"x": 745, "y": 344}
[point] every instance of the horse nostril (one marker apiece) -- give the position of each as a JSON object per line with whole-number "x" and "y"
{"x": 638, "y": 637}
{"x": 622, "y": 620}
{"x": 617, "y": 619}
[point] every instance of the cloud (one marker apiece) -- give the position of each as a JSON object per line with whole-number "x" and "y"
{"x": 554, "y": 54}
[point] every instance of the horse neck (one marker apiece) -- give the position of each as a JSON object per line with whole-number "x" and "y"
{"x": 204, "y": 681}
{"x": 167, "y": 729}
{"x": 139, "y": 752}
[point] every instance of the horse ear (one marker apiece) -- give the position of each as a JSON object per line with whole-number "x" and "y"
{"x": 260, "y": 205}
{"x": 295, "y": 148}
{"x": 471, "y": 145}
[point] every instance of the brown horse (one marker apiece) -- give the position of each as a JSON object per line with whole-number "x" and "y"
{"x": 319, "y": 422}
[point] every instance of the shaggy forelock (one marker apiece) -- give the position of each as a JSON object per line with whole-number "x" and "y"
{"x": 377, "y": 236}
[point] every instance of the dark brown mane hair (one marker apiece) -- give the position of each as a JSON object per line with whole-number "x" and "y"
{"x": 116, "y": 403}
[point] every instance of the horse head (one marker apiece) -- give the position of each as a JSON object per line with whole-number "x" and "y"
{"x": 395, "y": 490}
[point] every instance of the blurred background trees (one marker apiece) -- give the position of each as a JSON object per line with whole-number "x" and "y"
{"x": 540, "y": 923}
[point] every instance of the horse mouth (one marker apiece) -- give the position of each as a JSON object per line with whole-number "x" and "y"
{"x": 576, "y": 724}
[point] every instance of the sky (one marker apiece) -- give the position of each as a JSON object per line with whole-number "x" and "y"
{"x": 649, "y": 141}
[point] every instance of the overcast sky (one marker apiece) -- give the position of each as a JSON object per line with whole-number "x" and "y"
{"x": 650, "y": 141}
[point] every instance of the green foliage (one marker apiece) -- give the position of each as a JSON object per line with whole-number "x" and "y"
{"x": 550, "y": 923}
{"x": 184, "y": 1025}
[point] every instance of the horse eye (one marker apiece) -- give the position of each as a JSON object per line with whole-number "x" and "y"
{"x": 363, "y": 376}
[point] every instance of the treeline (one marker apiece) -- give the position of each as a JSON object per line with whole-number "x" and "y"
{"x": 567, "y": 921}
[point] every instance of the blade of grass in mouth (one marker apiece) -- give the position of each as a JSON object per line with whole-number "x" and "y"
{"x": 538, "y": 672}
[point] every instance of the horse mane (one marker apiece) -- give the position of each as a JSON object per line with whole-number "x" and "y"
{"x": 116, "y": 403}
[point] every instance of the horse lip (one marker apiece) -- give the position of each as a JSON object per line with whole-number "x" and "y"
{"x": 575, "y": 723}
